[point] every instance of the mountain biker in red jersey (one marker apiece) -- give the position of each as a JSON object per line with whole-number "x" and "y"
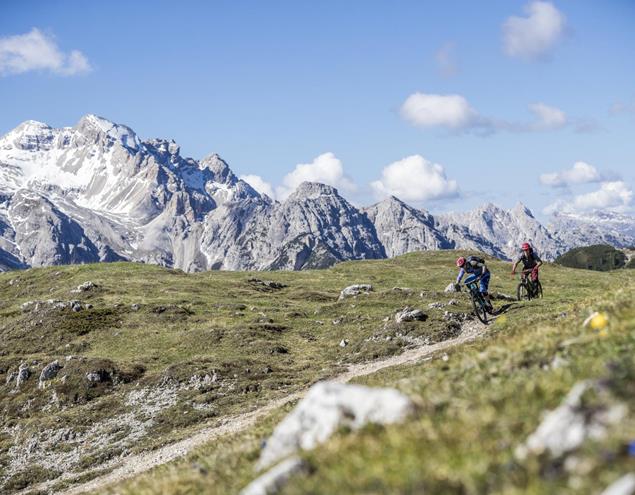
{"x": 530, "y": 260}
{"x": 476, "y": 267}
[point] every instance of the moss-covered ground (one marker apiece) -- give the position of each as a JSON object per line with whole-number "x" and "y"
{"x": 475, "y": 406}
{"x": 174, "y": 352}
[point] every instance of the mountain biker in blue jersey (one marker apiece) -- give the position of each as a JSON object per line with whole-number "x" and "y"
{"x": 476, "y": 268}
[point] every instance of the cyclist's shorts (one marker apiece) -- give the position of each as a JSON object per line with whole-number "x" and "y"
{"x": 483, "y": 283}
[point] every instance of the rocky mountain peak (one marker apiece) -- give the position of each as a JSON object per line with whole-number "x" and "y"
{"x": 164, "y": 149}
{"x": 219, "y": 169}
{"x": 95, "y": 129}
{"x": 392, "y": 201}
{"x": 29, "y": 135}
{"x": 312, "y": 190}
{"x": 521, "y": 210}
{"x": 490, "y": 209}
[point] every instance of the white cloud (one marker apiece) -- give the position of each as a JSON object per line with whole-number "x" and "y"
{"x": 533, "y": 36}
{"x": 446, "y": 60}
{"x": 611, "y": 195}
{"x": 454, "y": 113}
{"x": 622, "y": 107}
{"x": 259, "y": 184}
{"x": 36, "y": 51}
{"x": 548, "y": 117}
{"x": 429, "y": 110}
{"x": 580, "y": 173}
{"x": 326, "y": 168}
{"x": 415, "y": 179}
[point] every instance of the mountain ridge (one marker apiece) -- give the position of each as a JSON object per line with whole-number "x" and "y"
{"x": 103, "y": 194}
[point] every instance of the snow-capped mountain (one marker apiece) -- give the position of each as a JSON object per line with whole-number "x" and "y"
{"x": 502, "y": 230}
{"x": 596, "y": 227}
{"x": 97, "y": 192}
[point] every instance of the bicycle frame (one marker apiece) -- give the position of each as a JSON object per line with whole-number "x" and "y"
{"x": 477, "y": 299}
{"x": 531, "y": 286}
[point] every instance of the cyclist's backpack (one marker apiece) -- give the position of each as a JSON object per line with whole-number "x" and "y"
{"x": 475, "y": 259}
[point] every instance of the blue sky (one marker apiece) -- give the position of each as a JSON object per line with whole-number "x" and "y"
{"x": 430, "y": 101}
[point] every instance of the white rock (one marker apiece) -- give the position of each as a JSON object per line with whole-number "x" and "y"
{"x": 328, "y": 406}
{"x": 623, "y": 486}
{"x": 274, "y": 479}
{"x": 409, "y": 314}
{"x": 450, "y": 288}
{"x": 343, "y": 343}
{"x": 558, "y": 362}
{"x": 402, "y": 290}
{"x": 23, "y": 374}
{"x": 49, "y": 372}
{"x": 85, "y": 287}
{"x": 565, "y": 428}
{"x": 355, "y": 290}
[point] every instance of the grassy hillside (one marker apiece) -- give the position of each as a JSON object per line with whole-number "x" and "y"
{"x": 476, "y": 407}
{"x": 599, "y": 257}
{"x": 256, "y": 342}
{"x": 155, "y": 354}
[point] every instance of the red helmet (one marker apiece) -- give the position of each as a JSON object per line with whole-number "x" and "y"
{"x": 526, "y": 246}
{"x": 460, "y": 262}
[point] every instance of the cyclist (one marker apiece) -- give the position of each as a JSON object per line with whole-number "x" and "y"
{"x": 477, "y": 268}
{"x": 530, "y": 260}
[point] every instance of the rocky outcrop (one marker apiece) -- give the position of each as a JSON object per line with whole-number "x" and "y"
{"x": 49, "y": 372}
{"x": 565, "y": 428}
{"x": 272, "y": 481}
{"x": 24, "y": 373}
{"x": 328, "y": 406}
{"x": 410, "y": 314}
{"x": 355, "y": 290}
{"x": 623, "y": 486}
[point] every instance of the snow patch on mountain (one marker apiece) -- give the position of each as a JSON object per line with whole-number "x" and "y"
{"x": 97, "y": 192}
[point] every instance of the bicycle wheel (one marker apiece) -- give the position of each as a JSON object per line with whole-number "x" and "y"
{"x": 479, "y": 308}
{"x": 522, "y": 292}
{"x": 538, "y": 288}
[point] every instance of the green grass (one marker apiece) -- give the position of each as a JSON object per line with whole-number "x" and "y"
{"x": 474, "y": 408}
{"x": 599, "y": 257}
{"x": 261, "y": 343}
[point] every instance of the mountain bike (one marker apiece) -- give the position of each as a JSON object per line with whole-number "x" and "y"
{"x": 481, "y": 308}
{"x": 528, "y": 289}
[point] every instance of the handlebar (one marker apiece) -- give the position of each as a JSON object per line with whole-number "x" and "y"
{"x": 475, "y": 281}
{"x": 521, "y": 272}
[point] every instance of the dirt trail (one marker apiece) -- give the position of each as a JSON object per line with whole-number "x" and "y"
{"x": 137, "y": 464}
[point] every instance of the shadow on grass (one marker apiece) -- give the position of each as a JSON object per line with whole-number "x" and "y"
{"x": 505, "y": 308}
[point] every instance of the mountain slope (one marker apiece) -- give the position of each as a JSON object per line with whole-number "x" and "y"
{"x": 503, "y": 230}
{"x": 403, "y": 229}
{"x": 110, "y": 196}
{"x": 596, "y": 227}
